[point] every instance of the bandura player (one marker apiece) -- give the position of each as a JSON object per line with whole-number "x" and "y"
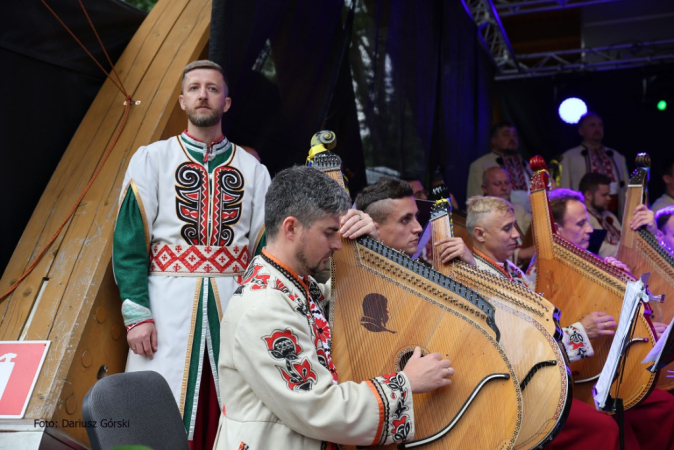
{"x": 276, "y": 372}
{"x": 653, "y": 419}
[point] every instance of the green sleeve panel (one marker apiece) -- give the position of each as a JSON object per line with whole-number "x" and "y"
{"x": 131, "y": 259}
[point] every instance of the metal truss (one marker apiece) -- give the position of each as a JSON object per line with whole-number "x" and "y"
{"x": 487, "y": 16}
{"x": 507, "y": 8}
{"x": 491, "y": 34}
{"x": 621, "y": 56}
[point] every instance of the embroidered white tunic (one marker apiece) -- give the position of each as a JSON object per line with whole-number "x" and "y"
{"x": 575, "y": 165}
{"x": 187, "y": 228}
{"x": 277, "y": 381}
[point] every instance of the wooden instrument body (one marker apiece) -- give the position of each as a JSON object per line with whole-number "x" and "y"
{"x": 421, "y": 312}
{"x": 71, "y": 297}
{"x": 642, "y": 253}
{"x": 579, "y": 283}
{"x": 460, "y": 229}
{"x": 424, "y": 314}
{"x": 529, "y": 335}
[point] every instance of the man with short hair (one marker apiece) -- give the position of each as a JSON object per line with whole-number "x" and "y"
{"x": 496, "y": 183}
{"x": 592, "y": 156}
{"x": 491, "y": 223}
{"x": 390, "y": 204}
{"x": 504, "y": 153}
{"x": 595, "y": 188}
{"x": 665, "y": 221}
{"x": 653, "y": 419}
{"x": 666, "y": 199}
{"x": 277, "y": 377}
{"x": 190, "y": 219}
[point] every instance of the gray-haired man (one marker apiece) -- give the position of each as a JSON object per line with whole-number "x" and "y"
{"x": 276, "y": 372}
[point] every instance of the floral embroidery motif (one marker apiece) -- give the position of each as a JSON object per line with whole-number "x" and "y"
{"x": 400, "y": 421}
{"x": 254, "y": 278}
{"x": 320, "y": 329}
{"x": 577, "y": 341}
{"x": 283, "y": 345}
{"x": 308, "y": 306}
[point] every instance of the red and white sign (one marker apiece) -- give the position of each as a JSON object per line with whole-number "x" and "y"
{"x": 20, "y": 364}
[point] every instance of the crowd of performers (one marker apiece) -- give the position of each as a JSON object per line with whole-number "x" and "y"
{"x": 215, "y": 264}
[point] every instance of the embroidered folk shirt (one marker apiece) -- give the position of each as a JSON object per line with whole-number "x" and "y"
{"x": 190, "y": 218}
{"x": 277, "y": 381}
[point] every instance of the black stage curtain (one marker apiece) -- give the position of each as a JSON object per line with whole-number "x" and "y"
{"x": 47, "y": 83}
{"x": 632, "y": 123}
{"x": 403, "y": 84}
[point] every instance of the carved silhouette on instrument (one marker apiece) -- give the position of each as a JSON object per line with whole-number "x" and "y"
{"x": 375, "y": 313}
{"x": 435, "y": 311}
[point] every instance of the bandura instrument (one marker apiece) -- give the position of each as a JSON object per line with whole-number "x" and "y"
{"x": 642, "y": 253}
{"x": 579, "y": 283}
{"x": 482, "y": 408}
{"x": 458, "y": 221}
{"x": 529, "y": 336}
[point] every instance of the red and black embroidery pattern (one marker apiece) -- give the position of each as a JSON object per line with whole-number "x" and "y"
{"x": 193, "y": 199}
{"x": 254, "y": 278}
{"x": 192, "y": 202}
{"x": 400, "y": 425}
{"x": 576, "y": 341}
{"x": 283, "y": 346}
{"x": 320, "y": 329}
{"x": 228, "y": 187}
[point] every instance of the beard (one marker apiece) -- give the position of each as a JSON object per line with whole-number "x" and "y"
{"x": 307, "y": 267}
{"x": 202, "y": 120}
{"x": 597, "y": 207}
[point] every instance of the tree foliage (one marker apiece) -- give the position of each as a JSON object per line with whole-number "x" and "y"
{"x": 145, "y": 5}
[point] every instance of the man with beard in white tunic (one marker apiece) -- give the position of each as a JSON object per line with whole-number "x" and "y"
{"x": 191, "y": 217}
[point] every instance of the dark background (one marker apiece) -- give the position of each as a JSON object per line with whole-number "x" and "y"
{"x": 632, "y": 123}
{"x": 405, "y": 85}
{"x": 47, "y": 83}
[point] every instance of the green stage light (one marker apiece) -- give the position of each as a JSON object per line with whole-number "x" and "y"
{"x": 662, "y": 105}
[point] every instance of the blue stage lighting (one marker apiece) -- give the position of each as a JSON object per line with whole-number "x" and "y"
{"x": 572, "y": 109}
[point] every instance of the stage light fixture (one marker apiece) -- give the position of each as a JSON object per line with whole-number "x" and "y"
{"x": 662, "y": 105}
{"x": 571, "y": 110}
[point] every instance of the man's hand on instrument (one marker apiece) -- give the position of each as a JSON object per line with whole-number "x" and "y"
{"x": 617, "y": 263}
{"x": 142, "y": 339}
{"x": 428, "y": 372}
{"x": 454, "y": 247}
{"x": 659, "y": 328}
{"x": 644, "y": 217}
{"x": 356, "y": 223}
{"x": 598, "y": 324}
